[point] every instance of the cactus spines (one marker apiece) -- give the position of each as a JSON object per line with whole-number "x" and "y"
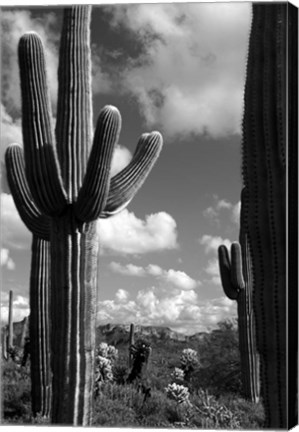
{"x": 264, "y": 176}
{"x": 69, "y": 180}
{"x": 39, "y": 291}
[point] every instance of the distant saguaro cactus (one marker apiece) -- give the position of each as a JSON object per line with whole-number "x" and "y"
{"x": 39, "y": 290}
{"x": 131, "y": 343}
{"x": 71, "y": 185}
{"x": 264, "y": 176}
{"x": 237, "y": 281}
{"x": 10, "y": 320}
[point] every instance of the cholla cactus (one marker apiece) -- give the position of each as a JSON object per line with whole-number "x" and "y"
{"x": 107, "y": 351}
{"x": 178, "y": 374}
{"x": 189, "y": 362}
{"x": 103, "y": 369}
{"x": 189, "y": 357}
{"x": 178, "y": 393}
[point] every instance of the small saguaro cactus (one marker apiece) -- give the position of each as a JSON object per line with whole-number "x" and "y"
{"x": 264, "y": 167}
{"x": 39, "y": 286}
{"x": 70, "y": 183}
{"x": 131, "y": 343}
{"x": 10, "y": 320}
{"x": 237, "y": 282}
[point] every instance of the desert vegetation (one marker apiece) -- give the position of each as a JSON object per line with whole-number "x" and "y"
{"x": 194, "y": 383}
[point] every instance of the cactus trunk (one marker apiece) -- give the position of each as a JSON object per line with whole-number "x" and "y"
{"x": 65, "y": 190}
{"x": 41, "y": 388}
{"x": 264, "y": 176}
{"x": 74, "y": 288}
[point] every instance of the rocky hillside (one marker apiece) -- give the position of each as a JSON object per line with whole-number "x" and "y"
{"x": 117, "y": 334}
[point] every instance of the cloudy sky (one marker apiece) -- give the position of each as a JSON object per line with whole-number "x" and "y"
{"x": 179, "y": 69}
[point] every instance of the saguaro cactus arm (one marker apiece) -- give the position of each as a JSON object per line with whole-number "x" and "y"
{"x": 93, "y": 193}
{"x": 231, "y": 271}
{"x": 125, "y": 184}
{"x": 31, "y": 216}
{"x": 42, "y": 168}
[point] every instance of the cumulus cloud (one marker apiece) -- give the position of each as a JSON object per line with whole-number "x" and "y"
{"x": 122, "y": 295}
{"x": 127, "y": 234}
{"x": 6, "y": 260}
{"x": 172, "y": 277}
{"x": 212, "y": 270}
{"x": 11, "y": 131}
{"x": 15, "y": 235}
{"x": 128, "y": 269}
{"x": 20, "y": 308}
{"x": 14, "y": 23}
{"x": 222, "y": 207}
{"x": 189, "y": 76}
{"x": 179, "y": 310}
{"x": 121, "y": 158}
{"x": 211, "y": 243}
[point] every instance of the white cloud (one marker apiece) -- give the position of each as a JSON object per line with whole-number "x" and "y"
{"x": 154, "y": 270}
{"x": 14, "y": 24}
{"x": 191, "y": 73}
{"x": 10, "y": 132}
{"x": 128, "y": 269}
{"x": 221, "y": 208}
{"x": 179, "y": 310}
{"x": 126, "y": 234}
{"x": 212, "y": 269}
{"x": 6, "y": 261}
{"x": 172, "y": 277}
{"x": 180, "y": 279}
{"x": 211, "y": 243}
{"x": 122, "y": 295}
{"x": 20, "y": 308}
{"x": 235, "y": 213}
{"x": 14, "y": 232}
{"x": 121, "y": 158}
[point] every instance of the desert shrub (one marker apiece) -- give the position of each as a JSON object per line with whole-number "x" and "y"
{"x": 120, "y": 373}
{"x": 220, "y": 370}
{"x": 16, "y": 393}
{"x": 211, "y": 413}
{"x": 251, "y": 415}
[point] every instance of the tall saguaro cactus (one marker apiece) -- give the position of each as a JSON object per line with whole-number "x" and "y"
{"x": 264, "y": 176}
{"x": 237, "y": 282}
{"x": 39, "y": 291}
{"x": 68, "y": 174}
